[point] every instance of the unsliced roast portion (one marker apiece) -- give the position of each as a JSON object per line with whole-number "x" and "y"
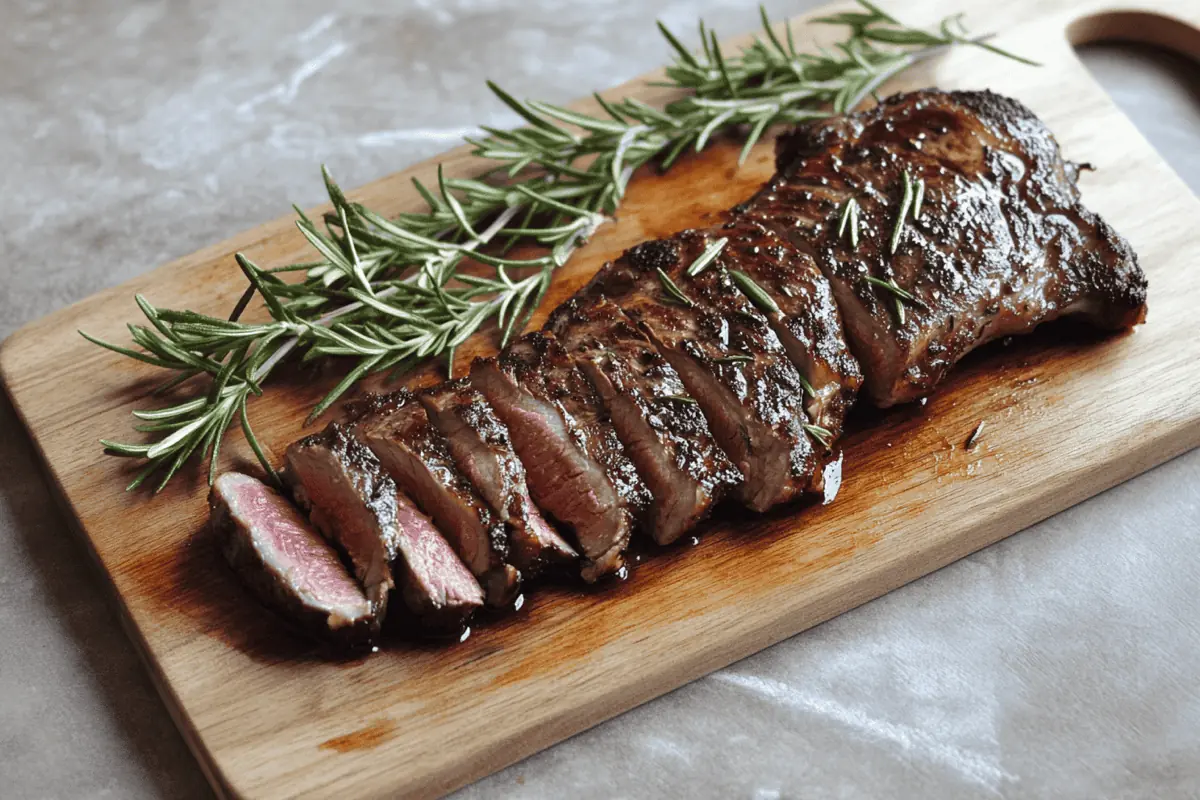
{"x": 964, "y": 224}
{"x": 728, "y": 357}
{"x": 575, "y": 465}
{"x": 352, "y": 501}
{"x": 481, "y": 447}
{"x": 397, "y": 429}
{"x": 287, "y": 564}
{"x": 802, "y": 313}
{"x": 660, "y": 424}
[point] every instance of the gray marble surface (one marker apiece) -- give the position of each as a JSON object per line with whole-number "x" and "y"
{"x": 1061, "y": 662}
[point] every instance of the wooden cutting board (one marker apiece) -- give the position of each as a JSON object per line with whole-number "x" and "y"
{"x": 1067, "y": 415}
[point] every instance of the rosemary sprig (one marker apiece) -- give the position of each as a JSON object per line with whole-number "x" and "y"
{"x": 672, "y": 291}
{"x": 900, "y": 295}
{"x": 385, "y": 294}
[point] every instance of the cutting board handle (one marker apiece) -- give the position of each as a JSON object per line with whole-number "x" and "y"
{"x": 1177, "y": 31}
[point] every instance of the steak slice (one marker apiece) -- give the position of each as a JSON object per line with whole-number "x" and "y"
{"x": 481, "y": 447}
{"x": 805, "y": 317}
{"x": 351, "y": 501}
{"x": 291, "y": 569}
{"x": 661, "y": 426}
{"x": 436, "y": 585}
{"x": 999, "y": 243}
{"x": 728, "y": 358}
{"x": 576, "y": 467}
{"x": 397, "y": 429}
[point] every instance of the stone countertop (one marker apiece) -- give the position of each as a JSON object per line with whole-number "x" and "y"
{"x": 1062, "y": 661}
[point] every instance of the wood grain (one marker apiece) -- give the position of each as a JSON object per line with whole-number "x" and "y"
{"x": 1068, "y": 415}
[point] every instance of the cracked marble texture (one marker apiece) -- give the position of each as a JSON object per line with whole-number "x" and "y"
{"x": 1061, "y": 662}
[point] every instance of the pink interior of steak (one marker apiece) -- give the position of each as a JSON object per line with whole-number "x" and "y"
{"x": 293, "y": 549}
{"x": 432, "y": 562}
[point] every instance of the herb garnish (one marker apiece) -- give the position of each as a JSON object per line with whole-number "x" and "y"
{"x": 673, "y": 292}
{"x": 389, "y": 293}
{"x": 705, "y": 258}
{"x": 822, "y": 435}
{"x": 849, "y": 219}
{"x": 755, "y": 293}
{"x": 736, "y": 358}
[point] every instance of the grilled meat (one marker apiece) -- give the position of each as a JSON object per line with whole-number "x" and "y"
{"x": 287, "y": 564}
{"x": 351, "y": 501}
{"x": 728, "y": 358}
{"x": 436, "y": 585}
{"x": 576, "y": 468}
{"x": 991, "y": 241}
{"x": 889, "y": 244}
{"x": 483, "y": 451}
{"x": 804, "y": 316}
{"x": 661, "y": 426}
{"x": 397, "y": 429}
{"x": 357, "y": 504}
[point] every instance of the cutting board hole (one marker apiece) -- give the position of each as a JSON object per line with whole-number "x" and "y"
{"x": 1138, "y": 27}
{"x": 1155, "y": 85}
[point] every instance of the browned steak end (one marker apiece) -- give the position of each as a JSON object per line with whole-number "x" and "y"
{"x": 999, "y": 244}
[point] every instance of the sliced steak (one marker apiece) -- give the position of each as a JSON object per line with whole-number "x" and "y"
{"x": 397, "y": 429}
{"x": 436, "y": 585}
{"x": 804, "y": 316}
{"x": 480, "y": 444}
{"x": 998, "y": 243}
{"x": 576, "y": 467}
{"x": 661, "y": 426}
{"x": 351, "y": 501}
{"x": 287, "y": 564}
{"x": 728, "y": 357}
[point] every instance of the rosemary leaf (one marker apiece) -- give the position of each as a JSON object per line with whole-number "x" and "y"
{"x": 918, "y": 198}
{"x": 673, "y": 292}
{"x": 905, "y": 204}
{"x": 973, "y": 439}
{"x": 755, "y": 293}
{"x": 822, "y": 435}
{"x": 706, "y": 257}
